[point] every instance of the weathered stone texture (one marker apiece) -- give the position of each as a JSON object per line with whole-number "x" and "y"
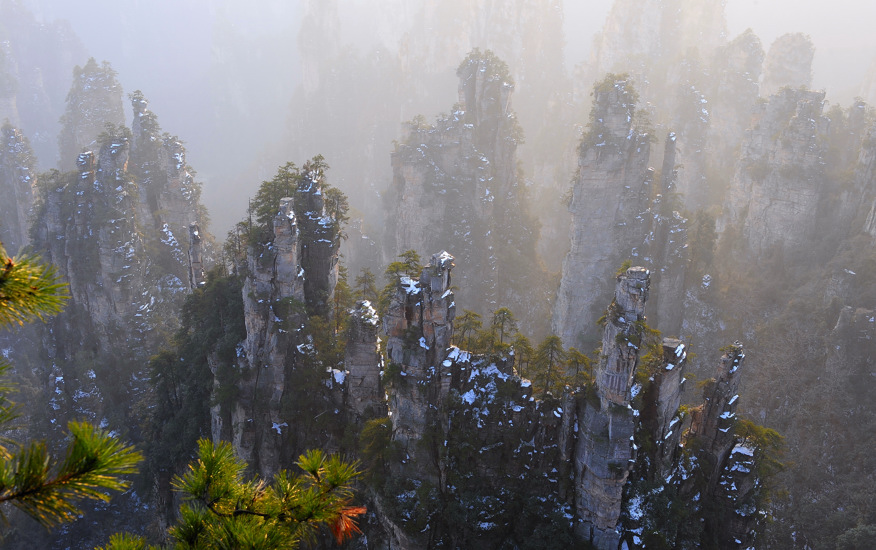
{"x": 17, "y": 181}
{"x": 363, "y": 363}
{"x": 788, "y": 63}
{"x": 95, "y": 100}
{"x": 610, "y": 194}
{"x": 778, "y": 187}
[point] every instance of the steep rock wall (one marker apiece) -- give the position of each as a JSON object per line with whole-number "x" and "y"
{"x": 788, "y": 63}
{"x": 610, "y": 193}
{"x": 281, "y": 375}
{"x": 94, "y": 100}
{"x": 17, "y": 181}
{"x": 456, "y": 185}
{"x": 482, "y": 461}
{"x": 779, "y": 186}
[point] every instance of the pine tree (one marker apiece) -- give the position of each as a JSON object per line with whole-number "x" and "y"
{"x": 548, "y": 364}
{"x": 523, "y": 355}
{"x": 31, "y": 479}
{"x": 579, "y": 367}
{"x": 409, "y": 265}
{"x": 366, "y": 286}
{"x": 503, "y": 323}
{"x": 467, "y": 327}
{"x": 223, "y": 510}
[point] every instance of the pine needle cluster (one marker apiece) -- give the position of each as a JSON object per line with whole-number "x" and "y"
{"x": 222, "y": 509}
{"x": 31, "y": 479}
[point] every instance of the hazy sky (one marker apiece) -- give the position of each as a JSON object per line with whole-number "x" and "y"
{"x": 842, "y": 30}
{"x": 180, "y": 52}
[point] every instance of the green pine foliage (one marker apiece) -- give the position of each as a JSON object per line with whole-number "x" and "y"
{"x": 409, "y": 264}
{"x": 49, "y": 490}
{"x": 44, "y": 487}
{"x": 212, "y": 325}
{"x": 222, "y": 509}
{"x": 29, "y": 290}
{"x": 366, "y": 286}
{"x": 549, "y": 364}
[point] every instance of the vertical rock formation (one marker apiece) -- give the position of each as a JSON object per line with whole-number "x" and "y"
{"x": 456, "y": 185}
{"x": 610, "y": 193}
{"x": 127, "y": 270}
{"x": 666, "y": 388}
{"x": 737, "y": 67}
{"x": 17, "y": 181}
{"x": 419, "y": 328}
{"x": 363, "y": 363}
{"x": 714, "y": 425}
{"x": 638, "y": 30}
{"x": 94, "y": 101}
{"x": 35, "y": 61}
{"x": 725, "y": 458}
{"x": 169, "y": 196}
{"x": 865, "y": 175}
{"x": 604, "y": 451}
{"x": 480, "y": 461}
{"x": 696, "y": 475}
{"x": 778, "y": 187}
{"x": 255, "y": 423}
{"x": 289, "y": 277}
{"x": 665, "y": 247}
{"x": 196, "y": 256}
{"x": 788, "y": 64}
{"x": 621, "y": 337}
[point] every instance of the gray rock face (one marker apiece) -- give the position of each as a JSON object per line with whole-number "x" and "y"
{"x": 621, "y": 337}
{"x": 363, "y": 363}
{"x": 610, "y": 193}
{"x": 664, "y": 250}
{"x": 128, "y": 274}
{"x": 35, "y": 61}
{"x": 778, "y": 186}
{"x": 456, "y": 186}
{"x": 604, "y": 452}
{"x": 17, "y": 181}
{"x": 169, "y": 196}
{"x": 256, "y": 426}
{"x": 865, "y": 174}
{"x": 474, "y": 444}
{"x": 419, "y": 328}
{"x": 719, "y": 410}
{"x": 788, "y": 64}
{"x": 287, "y": 279}
{"x": 94, "y": 100}
{"x": 637, "y": 30}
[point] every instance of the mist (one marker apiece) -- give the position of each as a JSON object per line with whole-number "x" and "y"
{"x": 568, "y": 160}
{"x": 222, "y": 75}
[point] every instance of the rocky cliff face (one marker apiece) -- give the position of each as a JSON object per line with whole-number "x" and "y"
{"x": 481, "y": 461}
{"x": 17, "y": 181}
{"x": 94, "y": 100}
{"x": 611, "y": 191}
{"x": 788, "y": 63}
{"x": 604, "y": 451}
{"x": 738, "y": 67}
{"x": 280, "y": 375}
{"x": 365, "y": 93}
{"x": 779, "y": 186}
{"x": 128, "y": 269}
{"x": 35, "y": 62}
{"x": 456, "y": 185}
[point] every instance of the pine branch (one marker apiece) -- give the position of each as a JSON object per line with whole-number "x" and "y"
{"x": 29, "y": 290}
{"x": 94, "y": 463}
